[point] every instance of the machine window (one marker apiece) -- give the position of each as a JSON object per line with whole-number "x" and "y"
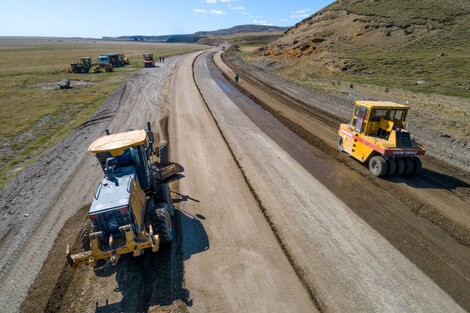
{"x": 377, "y": 114}
{"x": 361, "y": 112}
{"x": 400, "y": 115}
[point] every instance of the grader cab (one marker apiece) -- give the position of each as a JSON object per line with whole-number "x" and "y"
{"x": 378, "y": 135}
{"x": 132, "y": 208}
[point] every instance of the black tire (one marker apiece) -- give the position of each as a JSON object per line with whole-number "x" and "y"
{"x": 409, "y": 167}
{"x": 391, "y": 167}
{"x": 75, "y": 70}
{"x": 85, "y": 70}
{"x": 108, "y": 69}
{"x": 85, "y": 234}
{"x": 162, "y": 224}
{"x": 400, "y": 167}
{"x": 340, "y": 144}
{"x": 163, "y": 152}
{"x": 418, "y": 166}
{"x": 162, "y": 194}
{"x": 378, "y": 166}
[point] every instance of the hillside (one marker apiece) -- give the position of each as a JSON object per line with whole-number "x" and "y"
{"x": 421, "y": 45}
{"x": 207, "y": 36}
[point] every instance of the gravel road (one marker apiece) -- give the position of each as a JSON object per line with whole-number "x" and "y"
{"x": 56, "y": 186}
{"x": 244, "y": 269}
{"x": 266, "y": 221}
{"x": 347, "y": 264}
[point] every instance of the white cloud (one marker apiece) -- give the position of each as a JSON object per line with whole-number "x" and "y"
{"x": 238, "y": 8}
{"x": 262, "y": 22}
{"x": 218, "y": 12}
{"x": 301, "y": 11}
{"x": 223, "y": 1}
{"x": 282, "y": 20}
{"x": 299, "y": 15}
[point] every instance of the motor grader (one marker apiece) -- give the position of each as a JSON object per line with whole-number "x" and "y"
{"x": 378, "y": 135}
{"x": 131, "y": 209}
{"x": 85, "y": 64}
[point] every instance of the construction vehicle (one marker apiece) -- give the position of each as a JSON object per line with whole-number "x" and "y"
{"x": 85, "y": 64}
{"x": 131, "y": 208}
{"x": 378, "y": 135}
{"x": 148, "y": 60}
{"x": 124, "y": 59}
{"x": 112, "y": 58}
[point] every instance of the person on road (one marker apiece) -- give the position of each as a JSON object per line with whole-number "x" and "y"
{"x": 236, "y": 78}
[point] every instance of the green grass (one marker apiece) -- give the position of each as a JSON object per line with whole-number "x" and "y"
{"x": 34, "y": 119}
{"x": 403, "y": 68}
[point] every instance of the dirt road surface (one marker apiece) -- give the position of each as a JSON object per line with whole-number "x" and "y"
{"x": 286, "y": 185}
{"x": 268, "y": 221}
{"x": 244, "y": 269}
{"x": 63, "y": 181}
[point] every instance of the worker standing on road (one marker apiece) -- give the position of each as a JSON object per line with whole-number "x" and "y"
{"x": 236, "y": 78}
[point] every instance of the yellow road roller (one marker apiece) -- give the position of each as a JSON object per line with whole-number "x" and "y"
{"x": 378, "y": 135}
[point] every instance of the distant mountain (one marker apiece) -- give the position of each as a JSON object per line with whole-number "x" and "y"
{"x": 192, "y": 38}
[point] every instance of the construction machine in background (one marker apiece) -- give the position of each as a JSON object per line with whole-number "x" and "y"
{"x": 124, "y": 59}
{"x": 378, "y": 135}
{"x": 112, "y": 58}
{"x": 148, "y": 60}
{"x": 132, "y": 208}
{"x": 85, "y": 65}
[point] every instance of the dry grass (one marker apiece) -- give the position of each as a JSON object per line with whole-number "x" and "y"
{"x": 34, "y": 115}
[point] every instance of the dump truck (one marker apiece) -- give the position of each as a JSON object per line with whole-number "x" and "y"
{"x": 85, "y": 64}
{"x": 148, "y": 60}
{"x": 112, "y": 58}
{"x": 131, "y": 209}
{"x": 377, "y": 135}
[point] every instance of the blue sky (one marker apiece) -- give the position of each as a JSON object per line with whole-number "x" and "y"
{"x": 99, "y": 18}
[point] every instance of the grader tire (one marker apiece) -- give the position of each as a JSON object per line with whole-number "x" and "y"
{"x": 409, "y": 167}
{"x": 378, "y": 166}
{"x": 418, "y": 166}
{"x": 85, "y": 234}
{"x": 162, "y": 224}
{"x": 163, "y": 195}
{"x": 391, "y": 167}
{"x": 400, "y": 167}
{"x": 163, "y": 152}
{"x": 340, "y": 144}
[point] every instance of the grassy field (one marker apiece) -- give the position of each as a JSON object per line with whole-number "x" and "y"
{"x": 34, "y": 114}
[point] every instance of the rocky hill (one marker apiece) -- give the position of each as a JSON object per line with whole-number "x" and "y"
{"x": 420, "y": 44}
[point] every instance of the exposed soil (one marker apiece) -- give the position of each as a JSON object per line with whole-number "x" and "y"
{"x": 381, "y": 204}
{"x": 55, "y": 187}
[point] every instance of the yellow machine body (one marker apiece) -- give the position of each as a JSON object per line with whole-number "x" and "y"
{"x": 378, "y": 128}
{"x": 122, "y": 192}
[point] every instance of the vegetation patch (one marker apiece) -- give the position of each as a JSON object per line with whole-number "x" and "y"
{"x": 35, "y": 114}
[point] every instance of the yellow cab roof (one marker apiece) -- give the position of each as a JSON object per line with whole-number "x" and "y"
{"x": 382, "y": 105}
{"x": 118, "y": 142}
